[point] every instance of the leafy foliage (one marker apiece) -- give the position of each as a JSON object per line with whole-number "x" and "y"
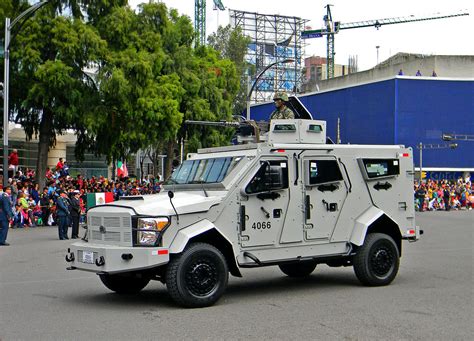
{"x": 232, "y": 44}
{"x": 123, "y": 80}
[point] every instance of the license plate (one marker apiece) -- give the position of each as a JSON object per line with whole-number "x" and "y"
{"x": 88, "y": 257}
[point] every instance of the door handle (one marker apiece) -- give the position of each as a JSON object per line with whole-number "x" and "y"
{"x": 265, "y": 212}
{"x": 385, "y": 186}
{"x": 330, "y": 187}
{"x": 242, "y": 218}
{"x": 307, "y": 207}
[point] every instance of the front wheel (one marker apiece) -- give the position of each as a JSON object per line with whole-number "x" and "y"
{"x": 300, "y": 269}
{"x": 126, "y": 284}
{"x": 198, "y": 276}
{"x": 376, "y": 262}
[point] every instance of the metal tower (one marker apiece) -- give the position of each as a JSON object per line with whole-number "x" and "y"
{"x": 200, "y": 19}
{"x": 274, "y": 39}
{"x": 333, "y": 27}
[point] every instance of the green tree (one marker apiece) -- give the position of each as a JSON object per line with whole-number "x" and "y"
{"x": 50, "y": 91}
{"x": 152, "y": 79}
{"x": 232, "y": 44}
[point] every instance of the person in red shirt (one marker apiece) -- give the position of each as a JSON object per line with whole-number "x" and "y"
{"x": 60, "y": 164}
{"x": 49, "y": 174}
{"x": 13, "y": 160}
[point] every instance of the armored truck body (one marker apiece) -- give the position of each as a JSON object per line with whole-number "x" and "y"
{"x": 292, "y": 200}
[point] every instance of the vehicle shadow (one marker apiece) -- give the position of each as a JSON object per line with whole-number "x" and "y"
{"x": 244, "y": 289}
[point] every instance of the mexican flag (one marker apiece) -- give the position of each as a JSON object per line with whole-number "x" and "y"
{"x": 94, "y": 199}
{"x": 122, "y": 170}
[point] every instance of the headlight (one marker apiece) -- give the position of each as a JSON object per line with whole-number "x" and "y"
{"x": 149, "y": 230}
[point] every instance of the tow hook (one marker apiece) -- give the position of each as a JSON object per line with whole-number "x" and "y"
{"x": 100, "y": 261}
{"x": 127, "y": 256}
{"x": 69, "y": 256}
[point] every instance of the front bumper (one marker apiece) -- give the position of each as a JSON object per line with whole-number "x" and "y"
{"x": 114, "y": 259}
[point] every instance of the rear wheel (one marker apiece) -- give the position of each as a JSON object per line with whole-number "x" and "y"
{"x": 126, "y": 284}
{"x": 300, "y": 269}
{"x": 376, "y": 262}
{"x": 197, "y": 277}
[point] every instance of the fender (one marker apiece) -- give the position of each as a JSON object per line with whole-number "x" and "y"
{"x": 362, "y": 224}
{"x": 184, "y": 235}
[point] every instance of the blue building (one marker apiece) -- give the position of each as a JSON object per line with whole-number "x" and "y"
{"x": 400, "y": 110}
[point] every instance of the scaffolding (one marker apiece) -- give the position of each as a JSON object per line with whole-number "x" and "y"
{"x": 274, "y": 39}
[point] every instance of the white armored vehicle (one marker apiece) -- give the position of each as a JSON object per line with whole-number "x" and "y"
{"x": 292, "y": 200}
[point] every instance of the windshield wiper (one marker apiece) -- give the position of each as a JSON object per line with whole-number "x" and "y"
{"x": 202, "y": 182}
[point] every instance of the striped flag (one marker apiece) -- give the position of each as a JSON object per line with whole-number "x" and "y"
{"x": 94, "y": 199}
{"x": 122, "y": 171}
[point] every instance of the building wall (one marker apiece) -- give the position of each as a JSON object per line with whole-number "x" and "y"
{"x": 64, "y": 148}
{"x": 444, "y": 66}
{"x": 316, "y": 70}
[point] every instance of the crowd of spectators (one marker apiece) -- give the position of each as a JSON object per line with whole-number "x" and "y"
{"x": 33, "y": 206}
{"x": 444, "y": 195}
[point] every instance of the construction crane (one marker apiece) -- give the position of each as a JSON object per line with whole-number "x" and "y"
{"x": 333, "y": 27}
{"x": 200, "y": 19}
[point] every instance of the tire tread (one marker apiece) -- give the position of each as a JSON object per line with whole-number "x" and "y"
{"x": 359, "y": 262}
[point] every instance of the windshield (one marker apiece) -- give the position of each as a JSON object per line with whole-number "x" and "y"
{"x": 204, "y": 171}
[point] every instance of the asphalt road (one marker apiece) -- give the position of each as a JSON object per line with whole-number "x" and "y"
{"x": 431, "y": 298}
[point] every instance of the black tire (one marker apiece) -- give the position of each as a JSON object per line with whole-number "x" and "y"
{"x": 298, "y": 270}
{"x": 376, "y": 262}
{"x": 125, "y": 284}
{"x": 198, "y": 276}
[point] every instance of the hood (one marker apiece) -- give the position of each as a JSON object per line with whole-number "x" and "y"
{"x": 159, "y": 204}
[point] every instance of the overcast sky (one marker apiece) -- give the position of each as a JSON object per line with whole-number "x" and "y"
{"x": 453, "y": 36}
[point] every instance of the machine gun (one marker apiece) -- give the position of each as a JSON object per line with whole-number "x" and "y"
{"x": 246, "y": 130}
{"x": 250, "y": 130}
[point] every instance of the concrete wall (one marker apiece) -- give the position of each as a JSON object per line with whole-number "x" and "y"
{"x": 16, "y": 133}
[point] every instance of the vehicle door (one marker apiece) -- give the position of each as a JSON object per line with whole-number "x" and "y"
{"x": 324, "y": 195}
{"x": 390, "y": 190}
{"x": 264, "y": 203}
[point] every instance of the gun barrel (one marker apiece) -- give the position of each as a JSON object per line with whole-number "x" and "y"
{"x": 214, "y": 123}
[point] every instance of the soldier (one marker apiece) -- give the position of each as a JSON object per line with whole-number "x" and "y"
{"x": 6, "y": 214}
{"x": 75, "y": 213}
{"x": 281, "y": 111}
{"x": 63, "y": 212}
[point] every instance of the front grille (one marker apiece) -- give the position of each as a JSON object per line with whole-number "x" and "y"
{"x": 111, "y": 221}
{"x": 110, "y": 229}
{"x": 95, "y": 221}
{"x": 126, "y": 222}
{"x": 96, "y": 235}
{"x": 112, "y": 236}
{"x": 127, "y": 237}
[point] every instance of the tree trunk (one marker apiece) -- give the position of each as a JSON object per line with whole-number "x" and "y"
{"x": 114, "y": 169}
{"x": 169, "y": 158}
{"x": 141, "y": 160}
{"x": 45, "y": 134}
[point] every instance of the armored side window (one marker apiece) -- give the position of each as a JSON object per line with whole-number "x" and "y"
{"x": 322, "y": 171}
{"x": 271, "y": 176}
{"x": 378, "y": 168}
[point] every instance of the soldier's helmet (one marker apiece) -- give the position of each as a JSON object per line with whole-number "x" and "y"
{"x": 281, "y": 95}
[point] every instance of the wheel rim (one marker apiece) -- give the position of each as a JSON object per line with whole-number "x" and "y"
{"x": 202, "y": 278}
{"x": 382, "y": 261}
